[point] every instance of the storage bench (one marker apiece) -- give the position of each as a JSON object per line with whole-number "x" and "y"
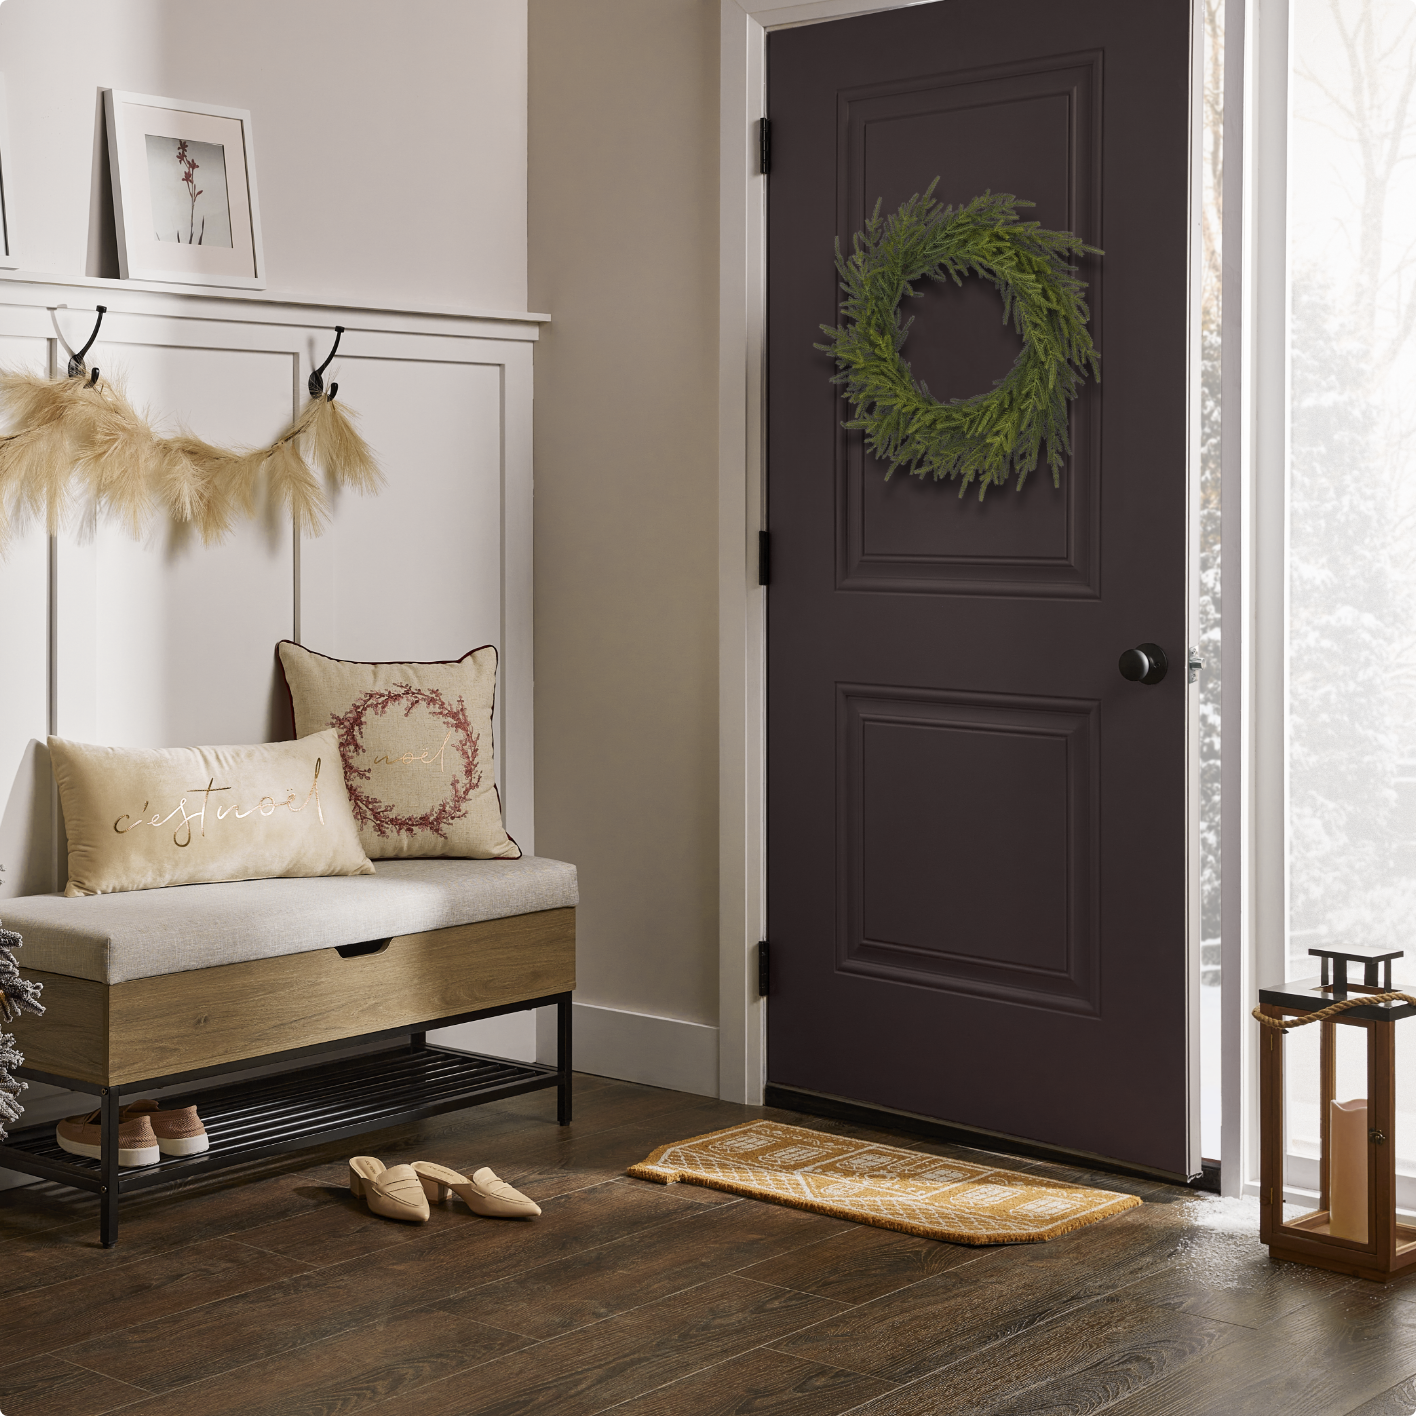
{"x": 162, "y": 987}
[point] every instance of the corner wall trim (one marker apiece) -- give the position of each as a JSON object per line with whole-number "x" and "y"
{"x": 642, "y": 1047}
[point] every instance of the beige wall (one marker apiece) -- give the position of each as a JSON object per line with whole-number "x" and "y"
{"x": 623, "y": 177}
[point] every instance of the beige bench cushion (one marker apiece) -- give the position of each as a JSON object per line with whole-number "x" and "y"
{"x": 114, "y": 938}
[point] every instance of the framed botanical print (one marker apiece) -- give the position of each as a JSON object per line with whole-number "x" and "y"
{"x": 7, "y": 239}
{"x": 184, "y": 191}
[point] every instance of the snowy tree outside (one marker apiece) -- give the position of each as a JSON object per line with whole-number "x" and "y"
{"x": 1352, "y": 508}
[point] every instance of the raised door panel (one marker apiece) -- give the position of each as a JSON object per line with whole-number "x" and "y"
{"x": 967, "y": 843}
{"x": 895, "y": 139}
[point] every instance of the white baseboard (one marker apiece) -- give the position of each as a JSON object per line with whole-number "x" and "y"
{"x": 636, "y": 1047}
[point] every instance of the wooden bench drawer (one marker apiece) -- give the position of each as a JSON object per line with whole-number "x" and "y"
{"x": 151, "y": 1027}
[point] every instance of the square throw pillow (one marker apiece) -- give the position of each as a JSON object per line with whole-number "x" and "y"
{"x": 141, "y": 818}
{"x": 416, "y": 742}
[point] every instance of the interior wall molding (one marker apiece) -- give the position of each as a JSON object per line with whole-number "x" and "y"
{"x": 171, "y": 298}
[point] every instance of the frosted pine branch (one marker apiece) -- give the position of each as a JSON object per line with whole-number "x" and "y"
{"x": 17, "y": 995}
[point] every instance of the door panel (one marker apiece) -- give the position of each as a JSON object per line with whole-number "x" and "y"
{"x": 929, "y": 903}
{"x": 1031, "y": 129}
{"x": 976, "y": 827}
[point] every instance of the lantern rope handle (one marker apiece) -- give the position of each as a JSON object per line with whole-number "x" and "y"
{"x": 1285, "y": 1024}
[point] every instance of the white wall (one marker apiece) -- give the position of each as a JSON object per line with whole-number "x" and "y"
{"x": 623, "y": 251}
{"x": 390, "y": 139}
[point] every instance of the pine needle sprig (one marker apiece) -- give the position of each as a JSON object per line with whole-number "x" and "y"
{"x": 993, "y": 436}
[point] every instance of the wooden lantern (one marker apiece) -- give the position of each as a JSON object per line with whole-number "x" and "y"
{"x": 1389, "y": 1248}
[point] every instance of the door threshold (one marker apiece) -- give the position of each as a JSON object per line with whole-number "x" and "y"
{"x": 839, "y": 1109}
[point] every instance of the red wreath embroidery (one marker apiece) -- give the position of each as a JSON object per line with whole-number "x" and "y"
{"x": 369, "y": 810}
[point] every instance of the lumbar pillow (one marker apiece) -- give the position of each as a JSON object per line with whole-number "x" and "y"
{"x": 416, "y": 742}
{"x": 139, "y": 818}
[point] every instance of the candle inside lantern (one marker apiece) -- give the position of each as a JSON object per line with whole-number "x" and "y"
{"x": 1347, "y": 1174}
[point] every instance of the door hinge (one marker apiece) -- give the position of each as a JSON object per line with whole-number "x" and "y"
{"x": 764, "y": 146}
{"x": 764, "y": 969}
{"x": 764, "y": 557}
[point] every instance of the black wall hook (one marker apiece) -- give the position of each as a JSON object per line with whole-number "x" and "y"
{"x": 76, "y": 361}
{"x": 316, "y": 383}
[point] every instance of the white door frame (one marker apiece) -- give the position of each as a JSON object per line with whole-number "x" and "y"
{"x": 742, "y": 680}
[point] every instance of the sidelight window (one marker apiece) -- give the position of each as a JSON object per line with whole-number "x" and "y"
{"x": 1351, "y": 573}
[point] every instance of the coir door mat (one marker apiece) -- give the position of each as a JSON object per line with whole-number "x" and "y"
{"x": 928, "y": 1195}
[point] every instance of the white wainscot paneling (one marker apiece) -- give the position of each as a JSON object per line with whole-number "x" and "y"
{"x": 26, "y": 853}
{"x": 414, "y": 572}
{"x": 183, "y": 635}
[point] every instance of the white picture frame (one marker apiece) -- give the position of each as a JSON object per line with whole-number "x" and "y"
{"x": 7, "y": 223}
{"x": 173, "y": 225}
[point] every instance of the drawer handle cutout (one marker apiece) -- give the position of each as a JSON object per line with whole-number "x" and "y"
{"x": 357, "y": 951}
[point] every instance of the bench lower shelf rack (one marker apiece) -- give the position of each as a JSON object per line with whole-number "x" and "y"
{"x": 293, "y": 1110}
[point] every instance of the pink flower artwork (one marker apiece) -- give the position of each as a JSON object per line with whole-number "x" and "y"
{"x": 189, "y": 166}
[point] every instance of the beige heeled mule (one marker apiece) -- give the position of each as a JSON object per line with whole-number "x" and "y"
{"x": 483, "y": 1191}
{"x": 394, "y": 1191}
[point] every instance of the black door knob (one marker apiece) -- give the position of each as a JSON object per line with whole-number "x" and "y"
{"x": 1146, "y": 663}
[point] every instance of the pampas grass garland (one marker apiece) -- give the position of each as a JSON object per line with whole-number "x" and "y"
{"x": 68, "y": 435}
{"x": 294, "y": 489}
{"x": 335, "y": 443}
{"x": 110, "y": 453}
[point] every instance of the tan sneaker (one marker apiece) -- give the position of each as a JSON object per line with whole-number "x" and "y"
{"x": 392, "y": 1191}
{"x": 178, "y": 1131}
{"x": 83, "y": 1135}
{"x": 483, "y": 1191}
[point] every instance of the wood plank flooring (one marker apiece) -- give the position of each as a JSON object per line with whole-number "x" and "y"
{"x": 267, "y": 1291}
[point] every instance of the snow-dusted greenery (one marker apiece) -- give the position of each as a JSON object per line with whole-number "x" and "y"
{"x": 17, "y": 995}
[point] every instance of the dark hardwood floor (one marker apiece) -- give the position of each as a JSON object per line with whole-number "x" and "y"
{"x": 269, "y": 1292}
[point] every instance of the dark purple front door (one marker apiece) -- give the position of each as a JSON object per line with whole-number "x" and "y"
{"x": 976, "y": 826}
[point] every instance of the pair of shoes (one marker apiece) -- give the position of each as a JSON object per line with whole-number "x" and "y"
{"x": 145, "y": 1134}
{"x": 403, "y": 1191}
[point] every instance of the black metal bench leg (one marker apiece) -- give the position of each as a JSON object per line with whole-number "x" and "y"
{"x": 109, "y": 1106}
{"x": 563, "y": 1066}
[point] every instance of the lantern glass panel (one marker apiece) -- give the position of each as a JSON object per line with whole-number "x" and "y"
{"x": 1348, "y": 1149}
{"x": 1325, "y": 1173}
{"x": 1302, "y": 1121}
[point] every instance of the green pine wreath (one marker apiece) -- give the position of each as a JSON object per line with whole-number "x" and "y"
{"x": 996, "y": 434}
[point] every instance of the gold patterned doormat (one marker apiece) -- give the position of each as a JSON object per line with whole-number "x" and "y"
{"x": 933, "y": 1196}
